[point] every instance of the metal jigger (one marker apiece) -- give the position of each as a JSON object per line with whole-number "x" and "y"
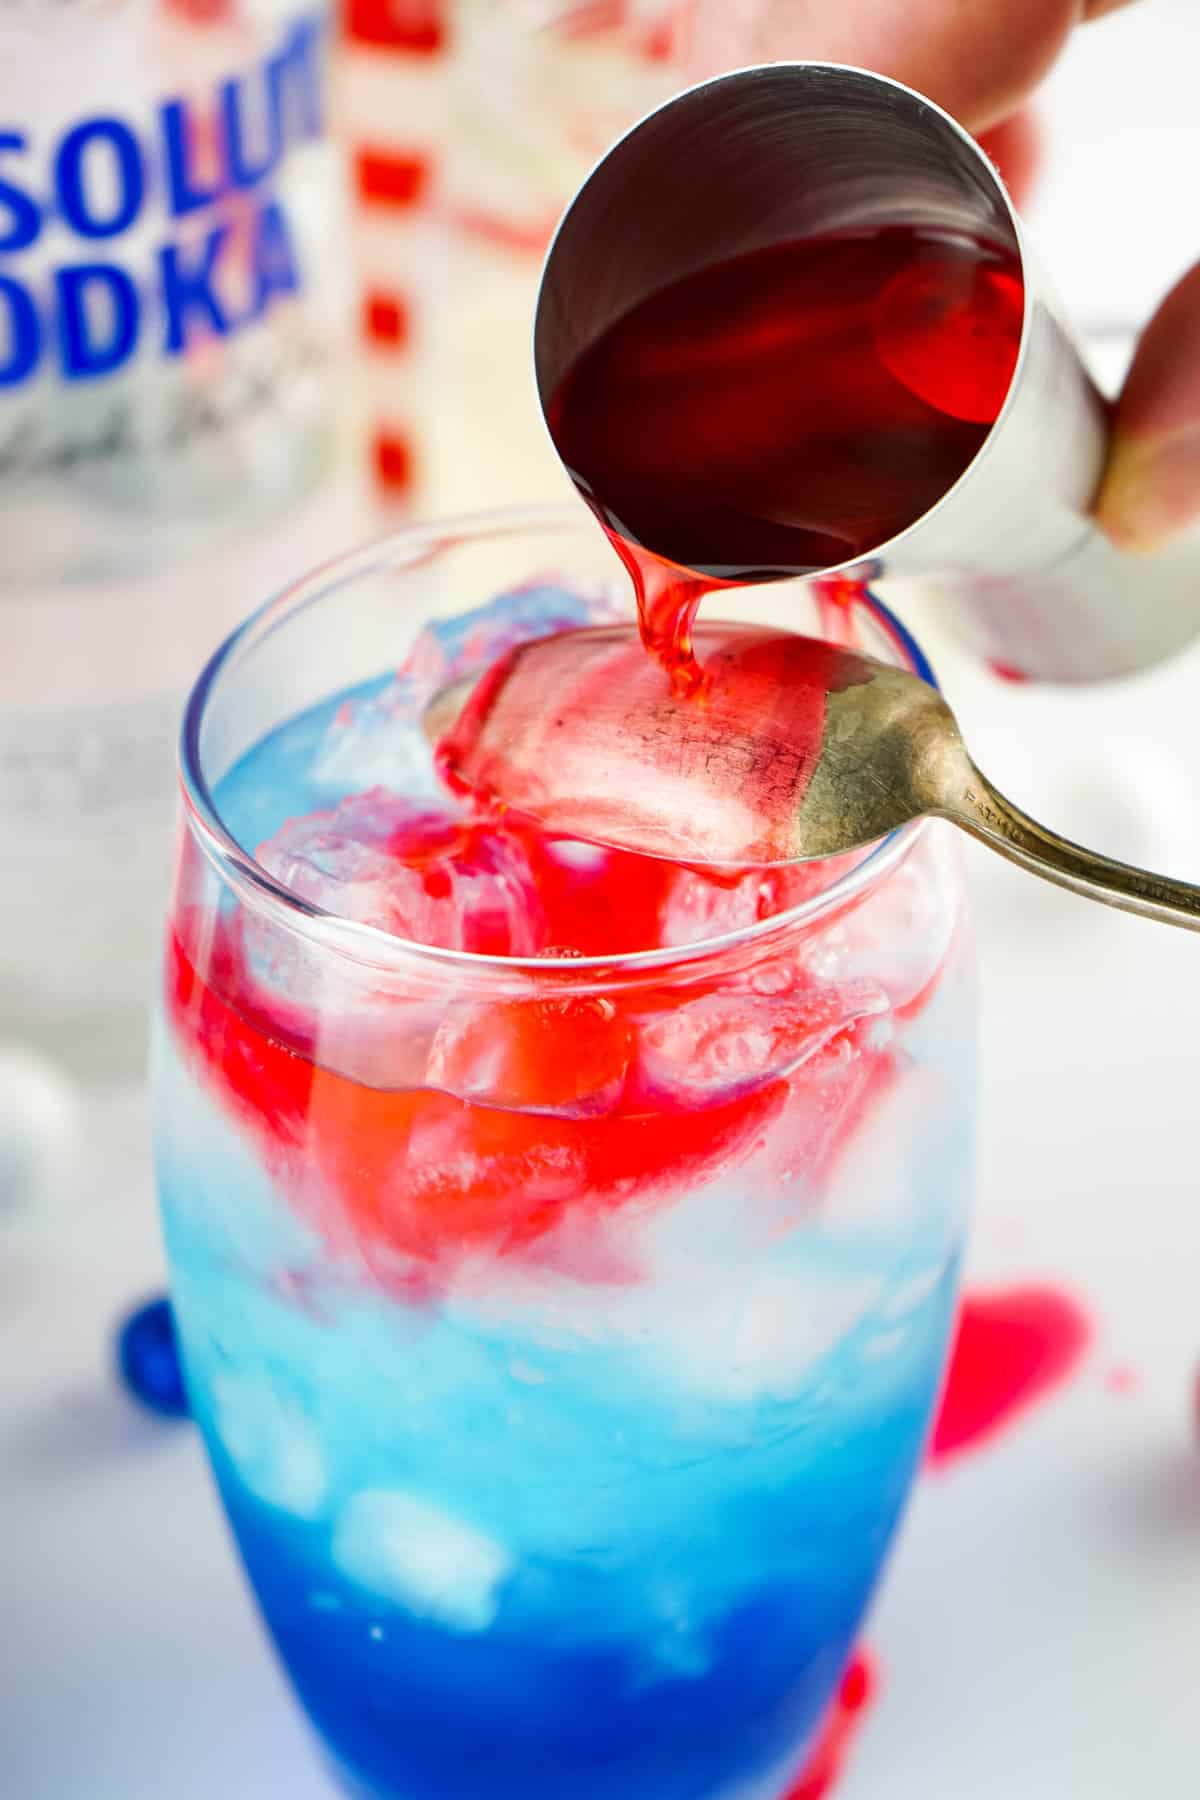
{"x": 787, "y": 150}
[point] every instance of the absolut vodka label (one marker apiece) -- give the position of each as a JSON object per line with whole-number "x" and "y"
{"x": 170, "y": 278}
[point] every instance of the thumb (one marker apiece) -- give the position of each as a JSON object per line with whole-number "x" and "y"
{"x": 1151, "y": 487}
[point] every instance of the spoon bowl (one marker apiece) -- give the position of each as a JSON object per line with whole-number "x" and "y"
{"x": 792, "y": 750}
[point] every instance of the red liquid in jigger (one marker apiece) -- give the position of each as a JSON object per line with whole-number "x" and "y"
{"x": 787, "y": 411}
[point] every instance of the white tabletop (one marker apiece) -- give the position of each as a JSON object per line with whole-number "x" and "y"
{"x": 1040, "y": 1631}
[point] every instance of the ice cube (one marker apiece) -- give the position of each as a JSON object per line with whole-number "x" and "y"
{"x": 383, "y": 860}
{"x": 699, "y": 906}
{"x": 567, "y": 1056}
{"x": 272, "y": 1442}
{"x": 701, "y": 903}
{"x": 537, "y": 609}
{"x": 406, "y": 1549}
{"x": 890, "y": 1173}
{"x": 720, "y": 1045}
{"x": 378, "y": 741}
{"x": 480, "y": 1175}
{"x": 786, "y": 1322}
{"x": 903, "y": 933}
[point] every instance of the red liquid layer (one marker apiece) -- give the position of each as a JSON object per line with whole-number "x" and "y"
{"x": 788, "y": 410}
{"x": 427, "y": 1131}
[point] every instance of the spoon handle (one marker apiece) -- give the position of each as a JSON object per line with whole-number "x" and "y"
{"x": 982, "y": 810}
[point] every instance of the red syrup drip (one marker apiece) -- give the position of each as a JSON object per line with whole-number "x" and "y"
{"x": 786, "y": 411}
{"x": 859, "y": 1688}
{"x": 1011, "y": 1351}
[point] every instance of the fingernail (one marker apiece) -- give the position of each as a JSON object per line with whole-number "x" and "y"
{"x": 1151, "y": 491}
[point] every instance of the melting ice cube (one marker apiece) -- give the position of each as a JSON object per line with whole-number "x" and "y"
{"x": 378, "y": 741}
{"x": 380, "y": 859}
{"x": 405, "y": 1549}
{"x": 272, "y": 1442}
{"x": 788, "y": 1322}
{"x": 719, "y": 1045}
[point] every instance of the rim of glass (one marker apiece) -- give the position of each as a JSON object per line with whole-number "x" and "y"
{"x": 408, "y": 548}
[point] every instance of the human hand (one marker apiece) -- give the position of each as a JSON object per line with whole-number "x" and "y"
{"x": 982, "y": 60}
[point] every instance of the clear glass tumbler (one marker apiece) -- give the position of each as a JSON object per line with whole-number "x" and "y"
{"x": 563, "y": 1326}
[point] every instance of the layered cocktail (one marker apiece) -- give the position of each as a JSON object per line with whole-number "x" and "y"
{"x": 563, "y": 1241}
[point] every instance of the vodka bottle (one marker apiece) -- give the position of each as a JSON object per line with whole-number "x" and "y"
{"x": 173, "y": 283}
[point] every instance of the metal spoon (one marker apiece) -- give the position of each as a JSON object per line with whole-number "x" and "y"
{"x": 795, "y": 750}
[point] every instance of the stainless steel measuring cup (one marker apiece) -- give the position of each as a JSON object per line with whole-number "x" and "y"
{"x": 788, "y": 150}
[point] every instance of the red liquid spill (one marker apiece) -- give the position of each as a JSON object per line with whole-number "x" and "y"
{"x": 859, "y": 1687}
{"x": 1006, "y": 672}
{"x": 787, "y": 411}
{"x": 1011, "y": 1351}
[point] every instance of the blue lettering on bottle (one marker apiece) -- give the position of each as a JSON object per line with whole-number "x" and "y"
{"x": 294, "y": 77}
{"x": 88, "y": 348}
{"x": 78, "y": 208}
{"x": 187, "y": 290}
{"x": 245, "y": 169}
{"x": 23, "y": 336}
{"x": 272, "y": 259}
{"x": 91, "y": 317}
{"x": 186, "y": 193}
{"x": 25, "y": 221}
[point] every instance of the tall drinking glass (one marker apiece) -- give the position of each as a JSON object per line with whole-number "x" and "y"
{"x": 563, "y": 1309}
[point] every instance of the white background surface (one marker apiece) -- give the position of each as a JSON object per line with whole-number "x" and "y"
{"x": 1040, "y": 1633}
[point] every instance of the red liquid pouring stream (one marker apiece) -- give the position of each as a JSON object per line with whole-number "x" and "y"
{"x": 787, "y": 411}
{"x": 772, "y": 416}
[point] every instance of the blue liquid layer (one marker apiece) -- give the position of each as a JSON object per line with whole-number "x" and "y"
{"x": 421, "y": 1714}
{"x": 769, "y": 1522}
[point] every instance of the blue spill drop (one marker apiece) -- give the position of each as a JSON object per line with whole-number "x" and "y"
{"x": 148, "y": 1358}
